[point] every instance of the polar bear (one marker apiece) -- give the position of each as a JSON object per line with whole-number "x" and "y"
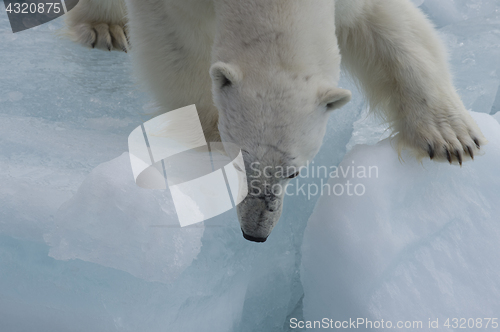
{"x": 263, "y": 75}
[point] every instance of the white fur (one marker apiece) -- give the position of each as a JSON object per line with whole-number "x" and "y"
{"x": 99, "y": 24}
{"x": 393, "y": 50}
{"x": 263, "y": 74}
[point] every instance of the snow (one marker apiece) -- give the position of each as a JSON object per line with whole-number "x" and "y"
{"x": 497, "y": 116}
{"x": 82, "y": 248}
{"x": 474, "y": 47}
{"x": 420, "y": 243}
{"x": 447, "y": 12}
{"x": 121, "y": 235}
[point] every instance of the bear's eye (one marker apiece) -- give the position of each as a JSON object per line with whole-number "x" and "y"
{"x": 294, "y": 175}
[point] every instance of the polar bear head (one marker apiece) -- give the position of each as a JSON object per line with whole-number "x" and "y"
{"x": 275, "y": 68}
{"x": 278, "y": 119}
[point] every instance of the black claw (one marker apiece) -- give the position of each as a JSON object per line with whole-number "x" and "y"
{"x": 95, "y": 40}
{"x": 430, "y": 150}
{"x": 448, "y": 155}
{"x": 477, "y": 143}
{"x": 109, "y": 48}
{"x": 470, "y": 152}
{"x": 459, "y": 157}
{"x": 124, "y": 49}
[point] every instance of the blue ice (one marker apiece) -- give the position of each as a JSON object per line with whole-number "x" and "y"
{"x": 82, "y": 248}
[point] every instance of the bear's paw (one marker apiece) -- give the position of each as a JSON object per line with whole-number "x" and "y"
{"x": 102, "y": 36}
{"x": 441, "y": 134}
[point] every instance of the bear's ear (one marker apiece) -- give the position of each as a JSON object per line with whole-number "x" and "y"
{"x": 225, "y": 74}
{"x": 334, "y": 98}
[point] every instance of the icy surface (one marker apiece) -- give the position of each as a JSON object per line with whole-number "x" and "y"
{"x": 497, "y": 116}
{"x": 368, "y": 129}
{"x": 474, "y": 47}
{"x": 63, "y": 110}
{"x": 445, "y": 12}
{"x": 84, "y": 249}
{"x": 215, "y": 278}
{"x": 421, "y": 243}
{"x": 110, "y": 221}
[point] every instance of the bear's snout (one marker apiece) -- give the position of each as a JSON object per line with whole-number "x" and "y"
{"x": 272, "y": 203}
{"x": 252, "y": 238}
{"x": 258, "y": 216}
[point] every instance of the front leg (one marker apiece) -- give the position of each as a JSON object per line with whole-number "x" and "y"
{"x": 172, "y": 52}
{"x": 99, "y": 24}
{"x": 391, "y": 47}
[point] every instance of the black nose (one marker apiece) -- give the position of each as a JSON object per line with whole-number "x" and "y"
{"x": 254, "y": 239}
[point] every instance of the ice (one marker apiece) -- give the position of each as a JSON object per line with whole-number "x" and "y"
{"x": 497, "y": 116}
{"x": 214, "y": 277}
{"x": 418, "y": 3}
{"x": 470, "y": 30}
{"x": 112, "y": 222}
{"x": 442, "y": 12}
{"x": 445, "y": 12}
{"x": 474, "y": 48}
{"x": 420, "y": 243}
{"x": 368, "y": 129}
{"x": 82, "y": 248}
{"x": 64, "y": 110}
